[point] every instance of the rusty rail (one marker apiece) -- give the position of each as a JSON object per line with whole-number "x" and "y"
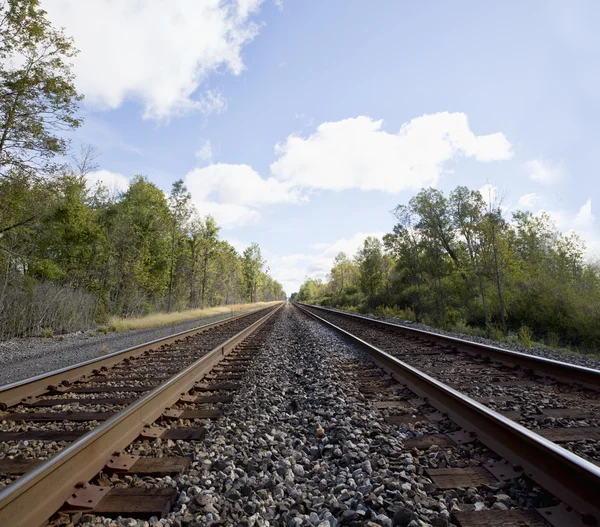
{"x": 32, "y": 499}
{"x": 13, "y": 393}
{"x": 563, "y": 371}
{"x": 570, "y": 478}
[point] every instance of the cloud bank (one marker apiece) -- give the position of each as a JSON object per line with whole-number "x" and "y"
{"x": 155, "y": 52}
{"x": 353, "y": 153}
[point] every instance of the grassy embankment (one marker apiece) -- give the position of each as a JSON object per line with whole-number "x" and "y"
{"x": 165, "y": 319}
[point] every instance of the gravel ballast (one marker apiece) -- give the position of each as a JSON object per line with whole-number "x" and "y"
{"x": 300, "y": 445}
{"x": 26, "y": 357}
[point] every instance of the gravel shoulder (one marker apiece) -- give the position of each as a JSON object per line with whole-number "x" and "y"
{"x": 578, "y": 360}
{"x": 26, "y": 357}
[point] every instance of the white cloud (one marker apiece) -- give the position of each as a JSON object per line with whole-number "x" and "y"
{"x": 350, "y": 154}
{"x": 227, "y": 215}
{"x": 357, "y": 153}
{"x": 584, "y": 219}
{"x": 114, "y": 181}
{"x": 291, "y": 270}
{"x": 544, "y": 171}
{"x": 155, "y": 52}
{"x": 233, "y": 192}
{"x": 528, "y": 201}
{"x": 205, "y": 152}
{"x": 583, "y": 223}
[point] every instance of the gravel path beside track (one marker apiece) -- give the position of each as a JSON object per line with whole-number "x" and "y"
{"x": 27, "y": 357}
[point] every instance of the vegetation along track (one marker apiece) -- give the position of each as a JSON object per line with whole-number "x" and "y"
{"x": 518, "y": 395}
{"x": 77, "y": 417}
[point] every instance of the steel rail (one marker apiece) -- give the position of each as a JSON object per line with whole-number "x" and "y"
{"x": 570, "y": 478}
{"x": 563, "y": 371}
{"x": 32, "y": 499}
{"x": 14, "y": 393}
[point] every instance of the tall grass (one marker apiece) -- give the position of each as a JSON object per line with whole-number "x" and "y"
{"x": 165, "y": 319}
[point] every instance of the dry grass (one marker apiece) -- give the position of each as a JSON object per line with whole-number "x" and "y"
{"x": 165, "y": 319}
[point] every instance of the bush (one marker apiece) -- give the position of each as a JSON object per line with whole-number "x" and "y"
{"x": 496, "y": 333}
{"x": 552, "y": 340}
{"x": 47, "y": 333}
{"x": 462, "y": 327}
{"x": 395, "y": 312}
{"x": 29, "y": 308}
{"x": 525, "y": 333}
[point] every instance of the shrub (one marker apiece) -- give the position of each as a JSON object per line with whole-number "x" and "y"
{"x": 496, "y": 334}
{"x": 552, "y": 340}
{"x": 47, "y": 333}
{"x": 525, "y": 333}
{"x": 462, "y": 327}
{"x": 30, "y": 308}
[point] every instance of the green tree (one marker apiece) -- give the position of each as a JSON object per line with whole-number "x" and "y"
{"x": 252, "y": 266}
{"x": 370, "y": 263}
{"x": 208, "y": 247}
{"x": 181, "y": 209}
{"x": 38, "y": 99}
{"x": 140, "y": 237}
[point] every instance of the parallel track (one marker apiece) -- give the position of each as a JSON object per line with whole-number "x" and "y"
{"x": 50, "y": 484}
{"x": 570, "y": 478}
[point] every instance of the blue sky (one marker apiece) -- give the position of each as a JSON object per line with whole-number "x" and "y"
{"x": 300, "y": 124}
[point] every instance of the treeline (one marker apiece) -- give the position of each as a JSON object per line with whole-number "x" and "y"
{"x": 75, "y": 255}
{"x": 457, "y": 263}
{"x": 70, "y": 255}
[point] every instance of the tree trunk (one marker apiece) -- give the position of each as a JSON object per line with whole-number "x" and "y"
{"x": 171, "y": 270}
{"x": 498, "y": 285}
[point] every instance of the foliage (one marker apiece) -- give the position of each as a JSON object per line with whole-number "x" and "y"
{"x": 525, "y": 334}
{"x": 457, "y": 263}
{"x": 87, "y": 257}
{"x": 38, "y": 100}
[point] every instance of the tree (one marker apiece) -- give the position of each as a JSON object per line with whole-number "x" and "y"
{"x": 38, "y": 99}
{"x": 140, "y": 237}
{"x": 341, "y": 272}
{"x": 467, "y": 211}
{"x": 181, "y": 210}
{"x": 252, "y": 266}
{"x": 208, "y": 246}
{"x": 370, "y": 262}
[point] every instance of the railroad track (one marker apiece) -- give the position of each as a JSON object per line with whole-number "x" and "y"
{"x": 60, "y": 430}
{"x": 474, "y": 385}
{"x": 273, "y": 419}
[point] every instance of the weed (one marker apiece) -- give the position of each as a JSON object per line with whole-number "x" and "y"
{"x": 396, "y": 312}
{"x": 47, "y": 333}
{"x": 105, "y": 350}
{"x": 525, "y": 334}
{"x": 496, "y": 334}
{"x": 102, "y": 329}
{"x": 552, "y": 339}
